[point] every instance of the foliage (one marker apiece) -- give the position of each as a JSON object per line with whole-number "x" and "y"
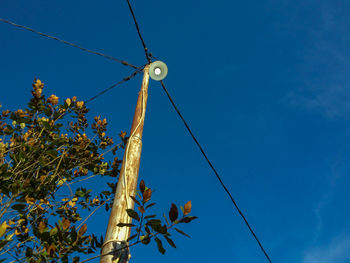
{"x": 44, "y": 150}
{"x": 149, "y": 226}
{"x": 47, "y": 150}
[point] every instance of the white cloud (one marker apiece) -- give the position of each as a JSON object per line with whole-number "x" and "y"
{"x": 326, "y": 66}
{"x": 330, "y": 101}
{"x": 338, "y": 251}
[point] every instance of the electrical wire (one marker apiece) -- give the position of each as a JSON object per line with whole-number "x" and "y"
{"x": 148, "y": 57}
{"x": 68, "y": 43}
{"x": 139, "y": 70}
{"x": 215, "y": 172}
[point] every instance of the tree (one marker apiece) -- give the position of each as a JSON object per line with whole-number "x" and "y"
{"x": 47, "y": 150}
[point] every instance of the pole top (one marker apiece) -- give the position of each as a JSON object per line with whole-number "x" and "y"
{"x": 158, "y": 70}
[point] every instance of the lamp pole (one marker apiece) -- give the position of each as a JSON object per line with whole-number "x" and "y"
{"x": 116, "y": 236}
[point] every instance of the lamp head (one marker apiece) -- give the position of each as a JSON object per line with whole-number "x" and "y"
{"x": 158, "y": 70}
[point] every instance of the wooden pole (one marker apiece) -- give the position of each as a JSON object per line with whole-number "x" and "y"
{"x": 127, "y": 183}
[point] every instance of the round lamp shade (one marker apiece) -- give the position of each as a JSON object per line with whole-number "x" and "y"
{"x": 158, "y": 70}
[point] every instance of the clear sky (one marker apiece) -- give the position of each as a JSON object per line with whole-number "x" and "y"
{"x": 264, "y": 85}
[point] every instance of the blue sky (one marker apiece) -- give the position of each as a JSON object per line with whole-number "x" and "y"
{"x": 264, "y": 85}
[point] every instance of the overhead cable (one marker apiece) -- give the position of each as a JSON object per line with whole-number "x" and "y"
{"x": 116, "y": 84}
{"x": 148, "y": 55}
{"x": 215, "y": 172}
{"x": 68, "y": 43}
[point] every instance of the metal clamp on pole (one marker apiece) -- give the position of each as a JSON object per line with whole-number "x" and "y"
{"x": 120, "y": 252}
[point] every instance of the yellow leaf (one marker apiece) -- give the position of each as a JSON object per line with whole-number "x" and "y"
{"x": 187, "y": 208}
{"x": 61, "y": 182}
{"x": 51, "y": 249}
{"x": 80, "y": 104}
{"x": 53, "y": 99}
{"x": 82, "y": 230}
{"x": 40, "y": 207}
{"x": 20, "y": 221}
{"x": 65, "y": 223}
{"x": 95, "y": 200}
{"x": 42, "y": 227}
{"x": 46, "y": 202}
{"x": 68, "y": 101}
{"x": 30, "y": 200}
{"x": 3, "y": 228}
{"x": 122, "y": 134}
{"x": 9, "y": 237}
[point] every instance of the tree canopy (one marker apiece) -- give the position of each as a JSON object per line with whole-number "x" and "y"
{"x": 46, "y": 151}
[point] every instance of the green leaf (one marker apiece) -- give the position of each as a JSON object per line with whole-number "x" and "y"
{"x": 145, "y": 239}
{"x": 135, "y": 200}
{"x": 171, "y": 243}
{"x": 147, "y": 230}
{"x": 173, "y": 213}
{"x": 181, "y": 232}
{"x": 161, "y": 229}
{"x": 182, "y": 209}
{"x": 29, "y": 252}
{"x": 79, "y": 193}
{"x": 142, "y": 186}
{"x": 73, "y": 234}
{"x": 166, "y": 219}
{"x": 160, "y": 245}
{"x": 150, "y": 216}
{"x": 53, "y": 231}
{"x": 133, "y": 214}
{"x": 132, "y": 237}
{"x": 125, "y": 224}
{"x": 151, "y": 204}
{"x": 153, "y": 221}
{"x": 139, "y": 196}
{"x": 19, "y": 207}
{"x": 187, "y": 219}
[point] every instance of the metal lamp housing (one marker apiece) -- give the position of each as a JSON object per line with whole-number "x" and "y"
{"x": 158, "y": 70}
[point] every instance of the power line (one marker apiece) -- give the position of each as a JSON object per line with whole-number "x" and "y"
{"x": 148, "y": 56}
{"x": 215, "y": 172}
{"x": 68, "y": 43}
{"x": 115, "y": 85}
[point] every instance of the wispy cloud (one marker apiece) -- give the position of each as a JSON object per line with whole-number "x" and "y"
{"x": 337, "y": 248}
{"x": 337, "y": 251}
{"x": 326, "y": 66}
{"x": 331, "y": 101}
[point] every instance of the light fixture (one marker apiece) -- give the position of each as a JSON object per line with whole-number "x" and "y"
{"x": 158, "y": 70}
